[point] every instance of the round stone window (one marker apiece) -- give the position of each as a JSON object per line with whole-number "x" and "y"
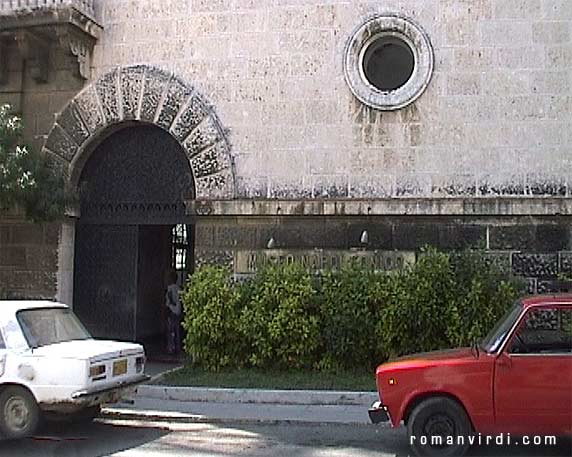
{"x": 388, "y": 62}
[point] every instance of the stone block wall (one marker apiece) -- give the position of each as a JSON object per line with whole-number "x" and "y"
{"x": 539, "y": 251}
{"x": 494, "y": 121}
{"x": 28, "y": 259}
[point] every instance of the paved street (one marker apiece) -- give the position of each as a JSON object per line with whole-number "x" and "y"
{"x": 132, "y": 438}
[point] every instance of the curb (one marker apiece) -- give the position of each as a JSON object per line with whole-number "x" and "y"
{"x": 282, "y": 397}
{"x": 182, "y": 418}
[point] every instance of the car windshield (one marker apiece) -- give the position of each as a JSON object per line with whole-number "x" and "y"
{"x": 496, "y": 336}
{"x": 44, "y": 326}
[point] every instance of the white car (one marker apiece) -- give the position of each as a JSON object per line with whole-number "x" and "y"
{"x": 49, "y": 363}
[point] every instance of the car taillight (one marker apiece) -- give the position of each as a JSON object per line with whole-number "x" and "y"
{"x": 97, "y": 372}
{"x": 139, "y": 364}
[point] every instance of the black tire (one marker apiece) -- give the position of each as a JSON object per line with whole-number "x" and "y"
{"x": 19, "y": 413}
{"x": 438, "y": 416}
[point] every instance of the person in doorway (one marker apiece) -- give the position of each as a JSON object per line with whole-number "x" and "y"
{"x": 174, "y": 313}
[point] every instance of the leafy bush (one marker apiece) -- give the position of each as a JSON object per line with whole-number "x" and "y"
{"x": 27, "y": 179}
{"x": 414, "y": 316}
{"x": 444, "y": 300}
{"x": 278, "y": 318}
{"x": 348, "y": 318}
{"x": 211, "y": 312}
{"x": 483, "y": 293}
{"x": 284, "y": 317}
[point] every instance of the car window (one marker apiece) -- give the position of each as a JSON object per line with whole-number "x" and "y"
{"x": 544, "y": 331}
{"x": 496, "y": 337}
{"x": 44, "y": 326}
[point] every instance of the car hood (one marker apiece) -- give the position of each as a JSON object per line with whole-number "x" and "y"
{"x": 94, "y": 350}
{"x": 425, "y": 359}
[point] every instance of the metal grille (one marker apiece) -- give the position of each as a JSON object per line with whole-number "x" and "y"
{"x": 139, "y": 175}
{"x": 105, "y": 279}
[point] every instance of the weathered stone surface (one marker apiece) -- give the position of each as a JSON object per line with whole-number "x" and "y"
{"x": 107, "y": 88}
{"x": 283, "y": 188}
{"x": 220, "y": 185}
{"x": 71, "y": 121}
{"x": 546, "y": 185}
{"x": 247, "y": 187}
{"x": 461, "y": 236}
{"x": 367, "y": 186}
{"x": 501, "y": 259}
{"x": 192, "y": 115}
{"x": 330, "y": 187}
{"x": 551, "y": 238}
{"x": 226, "y": 236}
{"x": 131, "y": 80}
{"x": 537, "y": 265}
{"x": 156, "y": 81}
{"x": 177, "y": 93}
{"x": 413, "y": 236}
{"x": 204, "y": 136}
{"x": 515, "y": 237}
{"x": 211, "y": 160}
{"x": 61, "y": 144}
{"x": 90, "y": 110}
{"x": 565, "y": 262}
{"x": 214, "y": 257}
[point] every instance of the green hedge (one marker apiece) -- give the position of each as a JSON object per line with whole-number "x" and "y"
{"x": 286, "y": 317}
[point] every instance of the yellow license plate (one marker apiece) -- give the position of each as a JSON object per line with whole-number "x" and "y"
{"x": 120, "y": 367}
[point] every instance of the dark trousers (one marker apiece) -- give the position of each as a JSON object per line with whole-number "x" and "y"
{"x": 173, "y": 334}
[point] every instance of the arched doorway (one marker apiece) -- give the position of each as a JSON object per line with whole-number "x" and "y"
{"x": 132, "y": 191}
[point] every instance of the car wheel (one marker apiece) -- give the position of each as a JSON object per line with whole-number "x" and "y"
{"x": 435, "y": 425}
{"x": 19, "y": 413}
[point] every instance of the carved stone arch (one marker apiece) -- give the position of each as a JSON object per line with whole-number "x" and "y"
{"x": 150, "y": 95}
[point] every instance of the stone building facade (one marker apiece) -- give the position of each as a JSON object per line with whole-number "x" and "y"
{"x": 259, "y": 127}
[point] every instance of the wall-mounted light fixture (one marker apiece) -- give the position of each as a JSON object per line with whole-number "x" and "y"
{"x": 364, "y": 238}
{"x": 271, "y": 243}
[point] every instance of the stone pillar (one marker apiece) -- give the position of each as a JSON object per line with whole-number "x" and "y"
{"x": 66, "y": 262}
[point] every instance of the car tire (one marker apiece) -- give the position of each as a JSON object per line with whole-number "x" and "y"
{"x": 438, "y": 416}
{"x": 19, "y": 413}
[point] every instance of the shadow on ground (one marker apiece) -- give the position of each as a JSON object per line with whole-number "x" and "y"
{"x": 63, "y": 439}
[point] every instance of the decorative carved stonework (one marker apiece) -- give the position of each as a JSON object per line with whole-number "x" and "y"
{"x": 40, "y": 32}
{"x": 79, "y": 47}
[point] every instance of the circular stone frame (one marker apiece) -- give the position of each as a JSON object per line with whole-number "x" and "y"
{"x": 367, "y": 33}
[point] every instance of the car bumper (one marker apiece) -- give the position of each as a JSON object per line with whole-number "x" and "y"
{"x": 378, "y": 413}
{"x": 98, "y": 391}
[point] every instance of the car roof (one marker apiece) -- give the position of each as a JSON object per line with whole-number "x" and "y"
{"x": 13, "y": 306}
{"x": 548, "y": 299}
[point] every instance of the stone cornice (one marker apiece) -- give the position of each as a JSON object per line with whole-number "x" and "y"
{"x": 474, "y": 207}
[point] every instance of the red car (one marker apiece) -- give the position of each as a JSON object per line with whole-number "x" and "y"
{"x": 517, "y": 381}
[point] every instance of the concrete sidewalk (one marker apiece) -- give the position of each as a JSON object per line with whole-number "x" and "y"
{"x": 192, "y": 404}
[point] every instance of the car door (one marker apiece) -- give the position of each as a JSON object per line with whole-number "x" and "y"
{"x": 533, "y": 374}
